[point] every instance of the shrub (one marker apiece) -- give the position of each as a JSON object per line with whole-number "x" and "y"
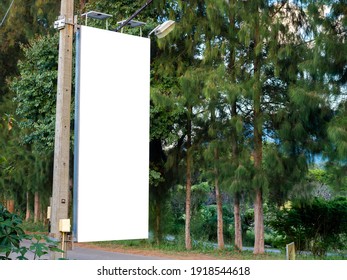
{"x": 317, "y": 227}
{"x": 204, "y": 223}
{"x": 12, "y": 234}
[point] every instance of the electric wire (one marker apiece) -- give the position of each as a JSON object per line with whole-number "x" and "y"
{"x": 8, "y": 10}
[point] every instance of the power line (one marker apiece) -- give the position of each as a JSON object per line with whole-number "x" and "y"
{"x": 8, "y": 10}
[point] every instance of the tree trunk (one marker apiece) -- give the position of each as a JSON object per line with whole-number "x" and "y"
{"x": 188, "y": 240}
{"x": 10, "y": 205}
{"x": 36, "y": 207}
{"x": 27, "y": 212}
{"x": 258, "y": 224}
{"x": 258, "y": 151}
{"x": 258, "y": 202}
{"x": 237, "y": 222}
{"x": 157, "y": 223}
{"x": 234, "y": 143}
{"x": 237, "y": 212}
{"x": 82, "y": 5}
{"x": 220, "y": 236}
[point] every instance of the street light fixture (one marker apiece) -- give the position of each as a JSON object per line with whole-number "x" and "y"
{"x": 96, "y": 15}
{"x": 132, "y": 23}
{"x": 160, "y": 31}
{"x": 163, "y": 29}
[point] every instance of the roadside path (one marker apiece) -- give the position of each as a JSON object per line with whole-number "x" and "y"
{"x": 80, "y": 253}
{"x": 85, "y": 253}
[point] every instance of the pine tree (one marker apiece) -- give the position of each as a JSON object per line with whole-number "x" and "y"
{"x": 23, "y": 22}
{"x": 181, "y": 61}
{"x": 328, "y": 65}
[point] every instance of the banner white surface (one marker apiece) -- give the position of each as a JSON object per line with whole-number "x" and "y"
{"x": 113, "y": 143}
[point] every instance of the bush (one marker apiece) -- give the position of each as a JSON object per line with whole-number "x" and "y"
{"x": 317, "y": 227}
{"x": 204, "y": 223}
{"x": 248, "y": 238}
{"x": 12, "y": 234}
{"x": 38, "y": 227}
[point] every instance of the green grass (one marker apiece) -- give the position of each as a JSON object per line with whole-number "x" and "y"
{"x": 172, "y": 248}
{"x": 178, "y": 248}
{"x": 34, "y": 227}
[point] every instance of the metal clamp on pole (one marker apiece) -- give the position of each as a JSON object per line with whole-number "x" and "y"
{"x": 60, "y": 23}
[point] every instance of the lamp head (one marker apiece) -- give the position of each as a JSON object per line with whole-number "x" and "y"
{"x": 163, "y": 29}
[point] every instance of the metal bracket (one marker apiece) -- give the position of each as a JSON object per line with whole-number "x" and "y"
{"x": 60, "y": 23}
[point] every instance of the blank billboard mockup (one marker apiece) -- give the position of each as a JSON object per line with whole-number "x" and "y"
{"x": 113, "y": 136}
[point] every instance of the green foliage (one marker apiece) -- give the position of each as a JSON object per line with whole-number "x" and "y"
{"x": 155, "y": 178}
{"x": 22, "y": 169}
{"x": 22, "y": 24}
{"x": 12, "y": 234}
{"x": 41, "y": 245}
{"x": 337, "y": 149}
{"x": 35, "y": 91}
{"x": 30, "y": 226}
{"x": 283, "y": 171}
{"x": 204, "y": 223}
{"x": 320, "y": 175}
{"x": 29, "y": 140}
{"x": 318, "y": 227}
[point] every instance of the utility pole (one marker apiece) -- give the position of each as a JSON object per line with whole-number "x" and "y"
{"x": 60, "y": 196}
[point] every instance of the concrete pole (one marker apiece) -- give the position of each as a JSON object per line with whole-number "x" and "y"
{"x": 60, "y": 196}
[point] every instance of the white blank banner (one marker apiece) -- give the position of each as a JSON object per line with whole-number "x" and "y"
{"x": 113, "y": 150}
